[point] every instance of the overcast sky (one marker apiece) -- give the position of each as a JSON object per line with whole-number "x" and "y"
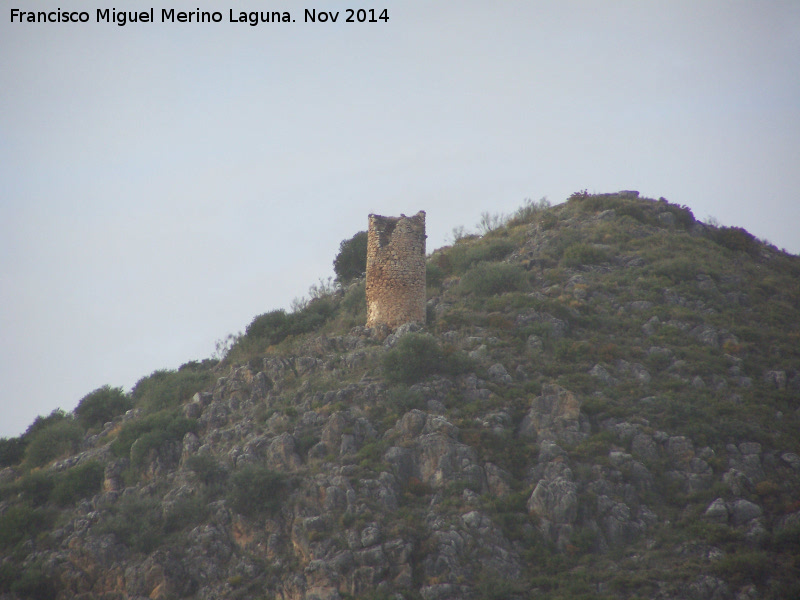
{"x": 162, "y": 184}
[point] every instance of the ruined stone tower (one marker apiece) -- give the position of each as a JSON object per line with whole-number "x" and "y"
{"x": 396, "y": 270}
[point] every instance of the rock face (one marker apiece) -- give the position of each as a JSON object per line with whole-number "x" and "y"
{"x": 396, "y": 270}
{"x": 431, "y": 454}
{"x": 555, "y": 415}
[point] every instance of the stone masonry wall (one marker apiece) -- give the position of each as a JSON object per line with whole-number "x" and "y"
{"x": 396, "y": 270}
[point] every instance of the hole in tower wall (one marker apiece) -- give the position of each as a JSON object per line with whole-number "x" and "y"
{"x": 385, "y": 232}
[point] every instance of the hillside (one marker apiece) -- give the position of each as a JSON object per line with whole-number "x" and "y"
{"x": 604, "y": 403}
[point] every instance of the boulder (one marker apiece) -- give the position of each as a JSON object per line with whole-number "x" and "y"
{"x": 497, "y": 373}
{"x": 281, "y": 454}
{"x": 601, "y": 373}
{"x": 717, "y": 511}
{"x": 743, "y": 511}
{"x": 555, "y": 415}
{"x": 555, "y": 500}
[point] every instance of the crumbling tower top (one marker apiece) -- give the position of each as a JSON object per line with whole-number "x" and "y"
{"x": 396, "y": 270}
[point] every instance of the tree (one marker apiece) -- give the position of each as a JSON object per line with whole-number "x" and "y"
{"x": 351, "y": 262}
{"x": 102, "y": 405}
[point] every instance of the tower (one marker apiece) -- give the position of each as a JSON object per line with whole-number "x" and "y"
{"x": 396, "y": 270}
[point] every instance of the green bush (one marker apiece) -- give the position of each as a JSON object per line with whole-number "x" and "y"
{"x": 404, "y": 399}
{"x": 58, "y": 438}
{"x": 529, "y": 211}
{"x": 33, "y": 583}
{"x": 187, "y": 511}
{"x": 136, "y": 522}
{"x": 677, "y": 270}
{"x": 23, "y": 522}
{"x": 9, "y": 573}
{"x": 418, "y": 355}
{"x": 40, "y": 422}
{"x": 35, "y": 487}
{"x": 275, "y": 326}
{"x": 145, "y": 523}
{"x": 166, "y": 388}
{"x": 488, "y": 279}
{"x": 207, "y": 469}
{"x": 468, "y": 252}
{"x": 434, "y": 275}
{"x": 255, "y": 490}
{"x": 154, "y": 430}
{"x": 745, "y": 566}
{"x": 491, "y": 585}
{"x": 153, "y": 440}
{"x": 79, "y": 482}
{"x": 735, "y": 238}
{"x": 351, "y": 261}
{"x": 355, "y": 299}
{"x": 636, "y": 210}
{"x": 101, "y": 406}
{"x": 312, "y": 317}
{"x": 583, "y": 254}
{"x": 684, "y": 216}
{"x": 12, "y": 451}
{"x": 592, "y": 203}
{"x": 413, "y": 358}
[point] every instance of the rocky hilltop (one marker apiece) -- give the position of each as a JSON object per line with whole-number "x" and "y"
{"x": 604, "y": 403}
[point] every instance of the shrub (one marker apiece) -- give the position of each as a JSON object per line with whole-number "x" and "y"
{"x": 313, "y": 316}
{"x": 591, "y": 203}
{"x": 79, "y": 482}
{"x": 370, "y": 455}
{"x": 351, "y": 262}
{"x": 136, "y": 522}
{"x": 677, "y": 269}
{"x": 418, "y": 355}
{"x": 413, "y": 358}
{"x": 735, "y": 238}
{"x": 207, "y": 469}
{"x": 434, "y": 274}
{"x": 41, "y": 422}
{"x": 164, "y": 426}
{"x": 684, "y": 216}
{"x": 486, "y": 279}
{"x": 528, "y": 211}
{"x": 102, "y": 405}
{"x": 58, "y": 438}
{"x": 787, "y": 539}
{"x": 491, "y": 585}
{"x": 22, "y": 522}
{"x": 9, "y": 573}
{"x": 12, "y": 451}
{"x": 36, "y": 486}
{"x": 489, "y": 222}
{"x": 255, "y": 489}
{"x": 636, "y": 211}
{"x": 404, "y": 399}
{"x": 467, "y": 253}
{"x": 272, "y": 326}
{"x": 745, "y": 566}
{"x": 355, "y": 299}
{"x": 165, "y": 388}
{"x": 583, "y": 254}
{"x": 187, "y": 511}
{"x": 34, "y": 583}
{"x": 275, "y": 326}
{"x": 548, "y": 220}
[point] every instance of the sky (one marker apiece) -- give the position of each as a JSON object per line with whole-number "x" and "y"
{"x": 161, "y": 184}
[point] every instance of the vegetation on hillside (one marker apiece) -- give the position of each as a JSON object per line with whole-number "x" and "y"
{"x": 679, "y": 341}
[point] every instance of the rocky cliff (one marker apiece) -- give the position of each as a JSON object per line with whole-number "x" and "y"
{"x": 604, "y": 404}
